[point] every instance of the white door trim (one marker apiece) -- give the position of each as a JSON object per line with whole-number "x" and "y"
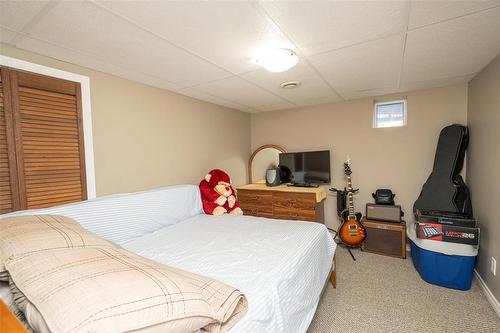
{"x": 86, "y": 113}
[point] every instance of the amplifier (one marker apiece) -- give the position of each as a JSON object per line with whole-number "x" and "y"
{"x": 385, "y": 238}
{"x": 389, "y": 213}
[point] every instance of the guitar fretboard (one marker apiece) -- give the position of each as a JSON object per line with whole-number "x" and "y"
{"x": 350, "y": 198}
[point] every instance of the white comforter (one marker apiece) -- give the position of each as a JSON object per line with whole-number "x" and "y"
{"x": 281, "y": 266}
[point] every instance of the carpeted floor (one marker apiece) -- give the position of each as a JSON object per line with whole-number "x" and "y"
{"x": 382, "y": 294}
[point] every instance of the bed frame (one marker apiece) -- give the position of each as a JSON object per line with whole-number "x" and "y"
{"x": 333, "y": 273}
{"x": 332, "y": 278}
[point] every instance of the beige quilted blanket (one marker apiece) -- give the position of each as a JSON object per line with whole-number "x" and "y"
{"x": 108, "y": 289}
{"x": 34, "y": 233}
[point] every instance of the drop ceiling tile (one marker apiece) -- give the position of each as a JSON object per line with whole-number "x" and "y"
{"x": 353, "y": 94}
{"x": 367, "y": 66}
{"x": 227, "y": 33}
{"x": 91, "y": 29}
{"x": 17, "y": 14}
{"x": 428, "y": 12}
{"x": 410, "y": 86}
{"x": 7, "y": 35}
{"x": 85, "y": 60}
{"x": 452, "y": 48}
{"x": 311, "y": 84}
{"x": 198, "y": 94}
{"x": 356, "y": 46}
{"x": 276, "y": 107}
{"x": 320, "y": 100}
{"x": 327, "y": 25}
{"x": 239, "y": 91}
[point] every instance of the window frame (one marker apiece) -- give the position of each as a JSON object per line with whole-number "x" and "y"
{"x": 398, "y": 101}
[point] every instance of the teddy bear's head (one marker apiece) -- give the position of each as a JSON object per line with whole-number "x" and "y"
{"x": 220, "y": 182}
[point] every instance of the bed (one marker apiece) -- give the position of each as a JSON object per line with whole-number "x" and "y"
{"x": 280, "y": 266}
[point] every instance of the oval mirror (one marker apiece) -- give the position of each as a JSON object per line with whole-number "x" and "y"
{"x": 263, "y": 158}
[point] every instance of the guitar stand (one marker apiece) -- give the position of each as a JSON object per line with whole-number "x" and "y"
{"x": 341, "y": 195}
{"x": 350, "y": 252}
{"x": 349, "y": 248}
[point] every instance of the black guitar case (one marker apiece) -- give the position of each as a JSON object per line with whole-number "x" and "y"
{"x": 445, "y": 190}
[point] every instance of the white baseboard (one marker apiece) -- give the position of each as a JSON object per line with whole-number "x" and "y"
{"x": 487, "y": 292}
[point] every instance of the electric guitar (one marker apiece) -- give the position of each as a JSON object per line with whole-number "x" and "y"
{"x": 351, "y": 232}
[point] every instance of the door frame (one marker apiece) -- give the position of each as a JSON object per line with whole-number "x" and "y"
{"x": 86, "y": 110}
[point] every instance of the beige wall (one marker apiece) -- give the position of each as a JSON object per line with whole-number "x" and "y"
{"x": 483, "y": 160}
{"x": 146, "y": 137}
{"x": 396, "y": 158}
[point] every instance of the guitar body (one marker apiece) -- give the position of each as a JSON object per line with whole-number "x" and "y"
{"x": 352, "y": 232}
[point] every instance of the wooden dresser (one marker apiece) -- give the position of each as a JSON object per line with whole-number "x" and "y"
{"x": 283, "y": 202}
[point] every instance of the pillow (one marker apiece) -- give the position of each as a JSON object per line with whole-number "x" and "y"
{"x": 35, "y": 233}
{"x": 113, "y": 290}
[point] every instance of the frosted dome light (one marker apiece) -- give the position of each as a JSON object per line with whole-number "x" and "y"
{"x": 277, "y": 60}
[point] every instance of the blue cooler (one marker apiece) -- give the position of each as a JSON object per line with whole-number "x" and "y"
{"x": 449, "y": 265}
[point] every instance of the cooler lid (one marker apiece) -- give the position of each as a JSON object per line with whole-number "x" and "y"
{"x": 441, "y": 247}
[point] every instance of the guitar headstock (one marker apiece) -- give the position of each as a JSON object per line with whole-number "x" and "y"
{"x": 347, "y": 167}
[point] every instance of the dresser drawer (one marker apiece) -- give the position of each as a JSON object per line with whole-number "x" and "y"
{"x": 295, "y": 214}
{"x": 260, "y": 211}
{"x": 256, "y": 207}
{"x": 294, "y": 201}
{"x": 255, "y": 198}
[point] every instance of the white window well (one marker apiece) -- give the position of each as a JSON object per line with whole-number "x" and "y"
{"x": 389, "y": 114}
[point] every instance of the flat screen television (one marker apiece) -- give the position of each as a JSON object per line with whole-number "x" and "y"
{"x": 312, "y": 167}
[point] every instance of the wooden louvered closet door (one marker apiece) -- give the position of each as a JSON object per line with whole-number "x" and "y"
{"x": 49, "y": 152}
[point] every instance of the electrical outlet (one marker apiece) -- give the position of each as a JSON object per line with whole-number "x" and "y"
{"x": 493, "y": 265}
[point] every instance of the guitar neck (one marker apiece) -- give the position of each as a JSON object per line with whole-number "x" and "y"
{"x": 350, "y": 199}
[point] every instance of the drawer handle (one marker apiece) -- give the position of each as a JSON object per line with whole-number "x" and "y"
{"x": 254, "y": 198}
{"x": 294, "y": 215}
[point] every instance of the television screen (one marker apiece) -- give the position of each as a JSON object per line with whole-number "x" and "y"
{"x": 312, "y": 167}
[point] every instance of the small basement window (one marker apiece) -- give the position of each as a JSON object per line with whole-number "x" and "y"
{"x": 389, "y": 114}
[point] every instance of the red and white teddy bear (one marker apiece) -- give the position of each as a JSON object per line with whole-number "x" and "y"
{"x": 217, "y": 194}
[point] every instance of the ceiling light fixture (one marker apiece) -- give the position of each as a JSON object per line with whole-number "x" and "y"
{"x": 277, "y": 60}
{"x": 290, "y": 84}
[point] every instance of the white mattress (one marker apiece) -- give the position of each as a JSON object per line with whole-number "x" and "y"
{"x": 280, "y": 266}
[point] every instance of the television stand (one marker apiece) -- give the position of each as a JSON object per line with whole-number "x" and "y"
{"x": 303, "y": 185}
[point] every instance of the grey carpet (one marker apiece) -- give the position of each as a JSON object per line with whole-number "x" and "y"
{"x": 382, "y": 294}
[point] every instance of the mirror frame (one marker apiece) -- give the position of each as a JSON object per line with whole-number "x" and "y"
{"x": 280, "y": 148}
